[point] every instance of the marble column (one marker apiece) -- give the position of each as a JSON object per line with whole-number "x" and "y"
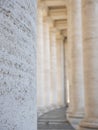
{"x": 69, "y": 59}
{"x": 18, "y": 65}
{"x": 54, "y": 72}
{"x": 90, "y": 51}
{"x": 60, "y": 62}
{"x": 66, "y": 71}
{"x": 77, "y": 61}
{"x": 47, "y": 68}
{"x": 40, "y": 62}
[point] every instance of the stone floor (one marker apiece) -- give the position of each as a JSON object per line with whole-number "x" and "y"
{"x": 54, "y": 120}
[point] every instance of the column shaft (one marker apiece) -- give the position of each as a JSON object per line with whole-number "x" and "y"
{"x": 60, "y": 63}
{"x": 67, "y": 101}
{"x": 47, "y": 61}
{"x": 54, "y": 73}
{"x": 77, "y": 60}
{"x": 69, "y": 59}
{"x": 40, "y": 62}
{"x": 90, "y": 49}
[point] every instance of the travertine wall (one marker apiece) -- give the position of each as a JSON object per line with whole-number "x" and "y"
{"x": 18, "y": 65}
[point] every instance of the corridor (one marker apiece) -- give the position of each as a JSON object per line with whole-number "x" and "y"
{"x": 48, "y": 60}
{"x": 54, "y": 120}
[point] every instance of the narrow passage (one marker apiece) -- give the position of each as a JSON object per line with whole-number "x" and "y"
{"x": 54, "y": 120}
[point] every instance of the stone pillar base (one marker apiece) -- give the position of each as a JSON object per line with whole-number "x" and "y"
{"x": 76, "y": 115}
{"x": 75, "y": 119}
{"x": 90, "y": 124}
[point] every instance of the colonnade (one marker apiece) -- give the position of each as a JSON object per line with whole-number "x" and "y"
{"x": 81, "y": 64}
{"x": 50, "y": 71}
{"x": 18, "y": 49}
{"x": 84, "y": 68}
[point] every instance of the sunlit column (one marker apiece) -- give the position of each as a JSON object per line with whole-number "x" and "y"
{"x": 47, "y": 68}
{"x": 90, "y": 51}
{"x": 66, "y": 71}
{"x": 77, "y": 61}
{"x": 69, "y": 60}
{"x": 54, "y": 72}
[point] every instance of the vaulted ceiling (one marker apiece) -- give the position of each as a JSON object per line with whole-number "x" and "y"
{"x": 57, "y": 12}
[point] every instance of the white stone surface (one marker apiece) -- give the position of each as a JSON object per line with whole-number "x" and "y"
{"x": 90, "y": 50}
{"x": 40, "y": 62}
{"x": 51, "y": 98}
{"x": 66, "y": 45}
{"x": 77, "y": 60}
{"x": 60, "y": 62}
{"x": 47, "y": 67}
{"x": 69, "y": 58}
{"x": 76, "y": 110}
{"x": 18, "y": 65}
{"x": 74, "y": 59}
{"x": 54, "y": 72}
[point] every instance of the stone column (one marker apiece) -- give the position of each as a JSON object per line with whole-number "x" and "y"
{"x": 90, "y": 49}
{"x": 47, "y": 61}
{"x": 40, "y": 62}
{"x": 66, "y": 71}
{"x": 54, "y": 72}
{"x": 77, "y": 61}
{"x": 60, "y": 71}
{"x": 69, "y": 59}
{"x": 18, "y": 65}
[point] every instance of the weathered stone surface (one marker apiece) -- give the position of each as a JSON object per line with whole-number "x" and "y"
{"x": 17, "y": 65}
{"x": 90, "y": 49}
